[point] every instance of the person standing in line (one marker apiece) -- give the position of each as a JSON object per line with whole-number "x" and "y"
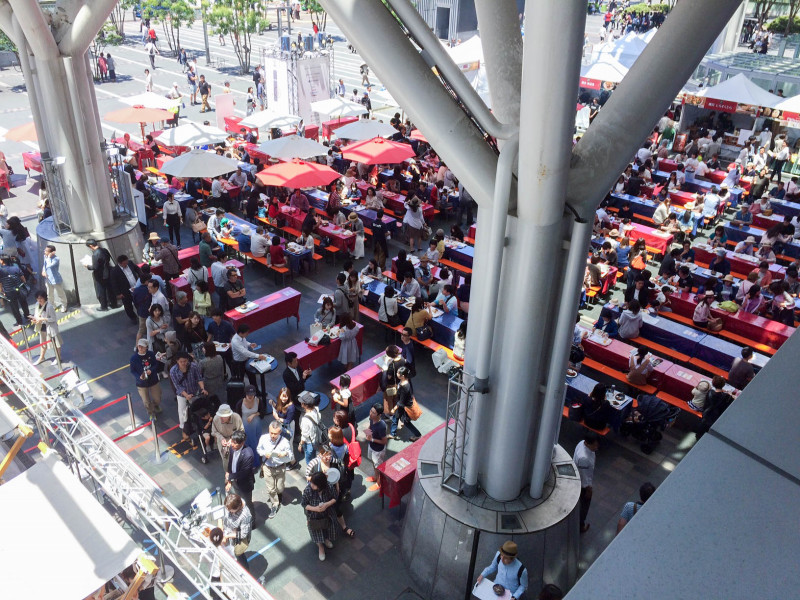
{"x": 46, "y": 325}
{"x": 377, "y": 438}
{"x": 276, "y": 452}
{"x": 145, "y": 368}
{"x": 240, "y": 471}
{"x": 101, "y": 273}
{"x": 584, "y": 458}
{"x": 11, "y": 282}
{"x": 123, "y": 279}
{"x": 112, "y": 67}
{"x": 52, "y": 277}
{"x": 646, "y": 490}
{"x": 238, "y": 525}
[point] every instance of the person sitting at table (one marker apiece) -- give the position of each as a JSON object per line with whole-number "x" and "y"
{"x": 761, "y": 206}
{"x": 372, "y": 200}
{"x": 432, "y": 254}
{"x": 151, "y": 145}
{"x": 719, "y": 238}
{"x": 702, "y": 312}
{"x": 776, "y": 236}
{"x": 746, "y": 246}
{"x": 635, "y": 183}
{"x": 630, "y": 321}
{"x": 619, "y": 187}
{"x": 593, "y": 276}
{"x": 720, "y": 263}
{"x": 717, "y": 402}
{"x": 778, "y": 192}
{"x": 743, "y": 216}
{"x": 792, "y": 280}
{"x": 672, "y": 227}
{"x": 766, "y": 254}
{"x": 753, "y": 301}
{"x": 403, "y": 265}
{"x": 672, "y": 183}
{"x": 234, "y": 290}
{"x": 299, "y": 201}
{"x": 711, "y": 284}
{"x": 176, "y": 184}
{"x": 277, "y": 258}
{"x": 727, "y": 290}
{"x": 311, "y": 221}
{"x": 446, "y": 299}
{"x": 326, "y": 315}
{"x": 242, "y": 353}
{"x": 640, "y": 291}
{"x": 606, "y": 323}
{"x": 781, "y": 307}
{"x": 668, "y": 268}
{"x": 687, "y": 252}
{"x": 608, "y": 255}
{"x": 238, "y": 179}
{"x": 639, "y": 366}
{"x": 151, "y": 247}
{"x": 597, "y": 409}
{"x": 711, "y": 203}
{"x": 456, "y": 233}
{"x": 350, "y": 176}
{"x": 259, "y": 244}
{"x": 625, "y": 211}
{"x": 793, "y": 189}
{"x": 662, "y": 211}
{"x": 353, "y": 193}
{"x": 741, "y": 372}
{"x": 193, "y": 187}
{"x": 219, "y": 194}
{"x": 214, "y": 225}
{"x": 372, "y": 269}
{"x": 244, "y": 239}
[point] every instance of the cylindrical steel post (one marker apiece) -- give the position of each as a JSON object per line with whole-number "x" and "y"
{"x": 158, "y": 456}
{"x": 130, "y": 412}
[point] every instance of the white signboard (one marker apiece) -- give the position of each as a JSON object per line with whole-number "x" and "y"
{"x": 313, "y": 84}
{"x": 277, "y": 86}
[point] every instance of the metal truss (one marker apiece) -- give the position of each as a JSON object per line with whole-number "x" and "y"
{"x": 458, "y": 418}
{"x": 92, "y": 453}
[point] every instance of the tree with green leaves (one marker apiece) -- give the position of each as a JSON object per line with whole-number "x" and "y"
{"x": 107, "y": 36}
{"x": 119, "y": 12}
{"x": 318, "y": 14}
{"x": 236, "y": 20}
{"x": 171, "y": 15}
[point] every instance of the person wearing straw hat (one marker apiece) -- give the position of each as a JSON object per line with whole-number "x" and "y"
{"x": 356, "y": 225}
{"x": 225, "y": 424}
{"x": 746, "y": 246}
{"x": 511, "y": 573}
{"x": 151, "y": 247}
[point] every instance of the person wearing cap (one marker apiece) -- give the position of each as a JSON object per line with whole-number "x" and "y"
{"x": 145, "y": 368}
{"x": 746, "y": 246}
{"x": 252, "y": 409}
{"x": 720, "y": 263}
{"x": 225, "y": 424}
{"x": 244, "y": 239}
{"x": 510, "y": 572}
{"x": 275, "y": 451}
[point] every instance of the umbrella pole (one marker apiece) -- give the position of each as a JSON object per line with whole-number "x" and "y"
{"x": 142, "y": 126}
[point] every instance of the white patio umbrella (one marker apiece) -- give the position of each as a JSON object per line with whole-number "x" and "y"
{"x": 192, "y": 134}
{"x": 365, "y": 129}
{"x": 338, "y": 107}
{"x": 199, "y": 163}
{"x": 151, "y": 100}
{"x": 269, "y": 119}
{"x": 292, "y": 146}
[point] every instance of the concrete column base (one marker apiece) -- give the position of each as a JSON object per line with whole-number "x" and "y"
{"x": 448, "y": 540}
{"x": 124, "y": 237}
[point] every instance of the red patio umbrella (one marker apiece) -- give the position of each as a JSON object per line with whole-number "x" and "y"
{"x": 23, "y": 133}
{"x": 378, "y": 151}
{"x": 418, "y": 135}
{"x": 138, "y": 114}
{"x": 297, "y": 174}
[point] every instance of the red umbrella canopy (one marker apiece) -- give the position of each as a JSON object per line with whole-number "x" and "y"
{"x": 297, "y": 174}
{"x": 418, "y": 135}
{"x": 138, "y": 114}
{"x": 378, "y": 151}
{"x": 22, "y": 133}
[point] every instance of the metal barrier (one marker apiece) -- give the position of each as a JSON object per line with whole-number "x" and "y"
{"x": 91, "y": 452}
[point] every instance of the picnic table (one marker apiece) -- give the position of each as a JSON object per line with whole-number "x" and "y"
{"x": 654, "y": 238}
{"x": 721, "y": 353}
{"x": 397, "y": 204}
{"x": 279, "y": 305}
{"x": 328, "y": 127}
{"x": 396, "y": 474}
{"x": 677, "y": 336}
{"x": 786, "y": 208}
{"x": 463, "y": 254}
{"x": 319, "y": 199}
{"x": 181, "y": 284}
{"x": 32, "y": 161}
{"x": 737, "y": 234}
{"x": 580, "y": 387}
{"x": 313, "y": 357}
{"x": 365, "y": 379}
{"x": 741, "y": 264}
{"x": 185, "y": 257}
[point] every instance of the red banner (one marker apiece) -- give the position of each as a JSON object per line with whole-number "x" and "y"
{"x": 720, "y": 105}
{"x": 590, "y": 84}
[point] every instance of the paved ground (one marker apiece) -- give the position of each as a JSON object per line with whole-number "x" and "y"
{"x": 101, "y": 343}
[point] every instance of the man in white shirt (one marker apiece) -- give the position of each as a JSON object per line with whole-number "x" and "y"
{"x": 239, "y": 179}
{"x": 662, "y": 211}
{"x": 219, "y": 274}
{"x": 792, "y": 189}
{"x": 411, "y": 287}
{"x": 157, "y": 297}
{"x": 242, "y": 352}
{"x": 701, "y": 170}
{"x": 148, "y": 81}
{"x": 259, "y": 244}
{"x": 643, "y": 153}
{"x": 584, "y": 459}
{"x": 276, "y": 452}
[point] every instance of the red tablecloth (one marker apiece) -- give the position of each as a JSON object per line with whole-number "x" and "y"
{"x": 765, "y": 222}
{"x": 346, "y": 243}
{"x": 181, "y": 284}
{"x": 282, "y": 304}
{"x": 185, "y": 257}
{"x": 131, "y": 144}
{"x": 32, "y": 161}
{"x": 328, "y": 127}
{"x": 679, "y": 381}
{"x": 232, "y": 126}
{"x": 654, "y": 238}
{"x": 667, "y": 165}
{"x": 160, "y": 160}
{"x": 396, "y": 203}
{"x": 617, "y": 354}
{"x": 740, "y": 266}
{"x": 312, "y": 132}
{"x": 680, "y": 198}
{"x": 472, "y": 230}
{"x": 313, "y": 357}
{"x": 365, "y": 380}
{"x": 254, "y": 152}
{"x": 396, "y": 474}
{"x": 718, "y": 176}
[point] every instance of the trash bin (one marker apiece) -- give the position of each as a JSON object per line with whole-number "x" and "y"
{"x": 308, "y": 43}
{"x": 286, "y": 46}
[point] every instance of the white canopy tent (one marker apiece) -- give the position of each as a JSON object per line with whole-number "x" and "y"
{"x": 192, "y": 134}
{"x": 199, "y": 163}
{"x": 789, "y": 104}
{"x": 625, "y": 50}
{"x": 292, "y": 146}
{"x": 741, "y": 90}
{"x": 606, "y": 68}
{"x": 337, "y": 108}
{"x": 151, "y": 100}
{"x": 67, "y": 546}
{"x": 268, "y": 119}
{"x": 469, "y": 58}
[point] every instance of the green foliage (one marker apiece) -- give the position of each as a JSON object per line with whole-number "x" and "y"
{"x": 236, "y": 20}
{"x": 107, "y": 36}
{"x": 638, "y": 9}
{"x": 6, "y": 44}
{"x": 318, "y": 14}
{"x": 171, "y": 15}
{"x": 783, "y": 25}
{"x": 119, "y": 12}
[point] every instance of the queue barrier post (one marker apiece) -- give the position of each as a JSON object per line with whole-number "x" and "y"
{"x": 158, "y": 456}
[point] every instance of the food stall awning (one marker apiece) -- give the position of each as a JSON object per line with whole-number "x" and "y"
{"x": 740, "y": 90}
{"x": 59, "y": 542}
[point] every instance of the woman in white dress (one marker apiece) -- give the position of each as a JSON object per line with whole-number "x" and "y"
{"x": 414, "y": 221}
{"x": 348, "y": 351}
{"x": 46, "y": 325}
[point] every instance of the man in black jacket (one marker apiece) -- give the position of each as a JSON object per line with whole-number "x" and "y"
{"x": 295, "y": 381}
{"x": 101, "y": 272}
{"x": 240, "y": 471}
{"x": 123, "y": 278}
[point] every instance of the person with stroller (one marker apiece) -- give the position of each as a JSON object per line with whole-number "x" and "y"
{"x": 199, "y": 419}
{"x": 252, "y": 409}
{"x": 188, "y": 382}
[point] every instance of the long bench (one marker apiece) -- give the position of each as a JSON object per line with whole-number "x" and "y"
{"x": 602, "y": 432}
{"x": 763, "y": 348}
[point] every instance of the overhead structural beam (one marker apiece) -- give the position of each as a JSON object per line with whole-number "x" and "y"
{"x": 499, "y": 27}
{"x": 35, "y": 28}
{"x": 370, "y": 26}
{"x": 639, "y": 100}
{"x": 87, "y": 22}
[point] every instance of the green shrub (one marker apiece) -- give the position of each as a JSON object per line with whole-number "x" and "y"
{"x": 638, "y": 9}
{"x": 779, "y": 25}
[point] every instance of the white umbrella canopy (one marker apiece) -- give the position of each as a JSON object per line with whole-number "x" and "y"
{"x": 338, "y": 107}
{"x": 151, "y": 100}
{"x": 365, "y": 129}
{"x": 199, "y": 163}
{"x": 192, "y": 134}
{"x": 292, "y": 146}
{"x": 269, "y": 119}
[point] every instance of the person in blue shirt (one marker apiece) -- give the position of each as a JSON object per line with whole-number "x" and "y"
{"x": 446, "y": 299}
{"x": 243, "y": 239}
{"x": 606, "y": 323}
{"x": 687, "y": 253}
{"x": 511, "y": 573}
{"x": 743, "y": 216}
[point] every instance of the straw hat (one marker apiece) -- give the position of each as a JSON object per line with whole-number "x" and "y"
{"x": 153, "y": 237}
{"x": 750, "y": 240}
{"x": 728, "y": 278}
{"x": 613, "y": 233}
{"x": 352, "y": 217}
{"x": 246, "y": 229}
{"x": 509, "y": 548}
{"x": 710, "y": 294}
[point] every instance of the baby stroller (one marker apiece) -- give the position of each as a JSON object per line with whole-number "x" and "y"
{"x": 201, "y": 411}
{"x": 648, "y": 420}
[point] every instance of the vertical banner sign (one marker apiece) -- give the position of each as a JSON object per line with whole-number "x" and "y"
{"x": 277, "y": 85}
{"x": 223, "y": 105}
{"x": 313, "y": 84}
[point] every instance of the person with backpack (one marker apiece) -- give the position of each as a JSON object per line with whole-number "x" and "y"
{"x": 276, "y": 451}
{"x": 511, "y": 573}
{"x": 646, "y": 490}
{"x": 310, "y": 427}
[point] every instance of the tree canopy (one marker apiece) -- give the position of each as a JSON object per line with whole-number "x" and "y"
{"x": 236, "y": 20}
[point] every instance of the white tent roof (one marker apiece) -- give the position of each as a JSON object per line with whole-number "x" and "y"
{"x": 292, "y": 146}
{"x": 789, "y": 104}
{"x": 740, "y": 89}
{"x": 266, "y": 118}
{"x": 337, "y": 107}
{"x": 192, "y": 134}
{"x": 199, "y": 163}
{"x": 151, "y": 100}
{"x": 624, "y": 50}
{"x": 467, "y": 52}
{"x": 59, "y": 541}
{"x": 606, "y": 68}
{"x": 365, "y": 129}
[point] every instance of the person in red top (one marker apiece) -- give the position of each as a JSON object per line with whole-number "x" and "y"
{"x": 276, "y": 255}
{"x": 152, "y": 35}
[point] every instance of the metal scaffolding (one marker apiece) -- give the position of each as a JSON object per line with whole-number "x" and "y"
{"x": 458, "y": 418}
{"x": 91, "y": 453}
